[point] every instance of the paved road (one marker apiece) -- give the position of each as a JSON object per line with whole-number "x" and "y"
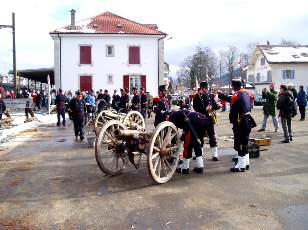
{"x": 48, "y": 181}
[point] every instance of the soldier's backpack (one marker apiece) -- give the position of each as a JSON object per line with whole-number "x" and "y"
{"x": 291, "y": 107}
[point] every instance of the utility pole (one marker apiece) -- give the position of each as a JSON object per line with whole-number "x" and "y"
{"x": 14, "y": 54}
{"x": 14, "y": 50}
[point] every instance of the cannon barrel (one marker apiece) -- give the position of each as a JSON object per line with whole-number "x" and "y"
{"x": 119, "y": 133}
{"x": 111, "y": 114}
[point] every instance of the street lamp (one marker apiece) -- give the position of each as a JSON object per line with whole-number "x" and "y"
{"x": 14, "y": 50}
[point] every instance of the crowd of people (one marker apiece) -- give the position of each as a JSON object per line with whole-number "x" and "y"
{"x": 285, "y": 102}
{"x": 196, "y": 122}
{"x": 84, "y": 104}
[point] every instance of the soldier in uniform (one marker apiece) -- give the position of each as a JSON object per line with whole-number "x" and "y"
{"x": 135, "y": 100}
{"x": 194, "y": 127}
{"x": 61, "y": 107}
{"x": 107, "y": 98}
{"x": 78, "y": 107}
{"x": 242, "y": 122}
{"x": 204, "y": 103}
{"x": 143, "y": 102}
{"x": 115, "y": 100}
{"x": 161, "y": 106}
{"x": 124, "y": 100}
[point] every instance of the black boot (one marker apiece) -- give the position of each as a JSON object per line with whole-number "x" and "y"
{"x": 183, "y": 171}
{"x": 199, "y": 170}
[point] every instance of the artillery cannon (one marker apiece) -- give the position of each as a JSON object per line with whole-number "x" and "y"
{"x": 132, "y": 119}
{"x": 116, "y": 145}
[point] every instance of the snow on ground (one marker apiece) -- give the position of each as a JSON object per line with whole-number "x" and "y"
{"x": 20, "y": 126}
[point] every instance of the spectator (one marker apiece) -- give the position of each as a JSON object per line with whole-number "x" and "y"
{"x": 2, "y": 109}
{"x": 2, "y": 91}
{"x": 284, "y": 102}
{"x": 302, "y": 102}
{"x": 293, "y": 90}
{"x": 269, "y": 107}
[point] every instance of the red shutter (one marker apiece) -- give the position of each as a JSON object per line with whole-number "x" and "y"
{"x": 143, "y": 81}
{"x": 85, "y": 83}
{"x": 134, "y": 55}
{"x": 125, "y": 81}
{"x": 85, "y": 54}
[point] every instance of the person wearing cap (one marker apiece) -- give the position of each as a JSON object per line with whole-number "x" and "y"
{"x": 107, "y": 98}
{"x": 78, "y": 108}
{"x": 135, "y": 100}
{"x": 90, "y": 103}
{"x": 124, "y": 100}
{"x": 161, "y": 106}
{"x": 115, "y": 100}
{"x": 100, "y": 95}
{"x": 204, "y": 103}
{"x": 143, "y": 102}
{"x": 61, "y": 107}
{"x": 242, "y": 122}
{"x": 269, "y": 107}
{"x": 194, "y": 126}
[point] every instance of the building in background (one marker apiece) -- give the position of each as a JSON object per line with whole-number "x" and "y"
{"x": 108, "y": 52}
{"x": 278, "y": 64}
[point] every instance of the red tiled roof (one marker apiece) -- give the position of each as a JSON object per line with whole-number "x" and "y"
{"x": 110, "y": 23}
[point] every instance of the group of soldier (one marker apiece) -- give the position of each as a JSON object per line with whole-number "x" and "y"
{"x": 85, "y": 103}
{"x": 200, "y": 122}
{"x": 196, "y": 123}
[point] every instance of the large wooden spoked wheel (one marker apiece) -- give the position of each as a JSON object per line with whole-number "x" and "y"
{"x": 163, "y": 153}
{"x": 134, "y": 120}
{"x": 100, "y": 120}
{"x": 109, "y": 151}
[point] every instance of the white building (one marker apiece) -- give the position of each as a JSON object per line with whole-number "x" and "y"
{"x": 278, "y": 64}
{"x": 108, "y": 52}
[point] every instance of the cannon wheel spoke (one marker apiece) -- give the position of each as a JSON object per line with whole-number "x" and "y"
{"x": 134, "y": 118}
{"x": 108, "y": 157}
{"x": 160, "y": 167}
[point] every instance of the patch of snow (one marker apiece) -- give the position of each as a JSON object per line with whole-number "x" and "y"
{"x": 18, "y": 125}
{"x": 285, "y": 54}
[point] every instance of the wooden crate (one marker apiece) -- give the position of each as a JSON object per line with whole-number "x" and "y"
{"x": 262, "y": 141}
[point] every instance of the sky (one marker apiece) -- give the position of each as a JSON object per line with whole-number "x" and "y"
{"x": 216, "y": 23}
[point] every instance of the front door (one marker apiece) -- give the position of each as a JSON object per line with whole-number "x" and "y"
{"x": 85, "y": 83}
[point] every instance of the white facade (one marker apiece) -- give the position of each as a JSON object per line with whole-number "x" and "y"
{"x": 107, "y": 72}
{"x": 263, "y": 74}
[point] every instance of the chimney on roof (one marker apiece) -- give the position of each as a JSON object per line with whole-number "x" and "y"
{"x": 268, "y": 44}
{"x": 73, "y": 19}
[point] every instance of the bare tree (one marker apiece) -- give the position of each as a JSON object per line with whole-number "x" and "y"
{"x": 285, "y": 42}
{"x": 201, "y": 66}
{"x": 230, "y": 60}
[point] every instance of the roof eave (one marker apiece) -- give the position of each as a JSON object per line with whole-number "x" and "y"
{"x": 100, "y": 33}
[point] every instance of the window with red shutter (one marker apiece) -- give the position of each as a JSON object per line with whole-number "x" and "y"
{"x": 134, "y": 55}
{"x": 143, "y": 81}
{"x": 85, "y": 83}
{"x": 85, "y": 54}
{"x": 125, "y": 81}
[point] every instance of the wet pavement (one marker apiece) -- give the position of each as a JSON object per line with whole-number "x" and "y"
{"x": 50, "y": 181}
